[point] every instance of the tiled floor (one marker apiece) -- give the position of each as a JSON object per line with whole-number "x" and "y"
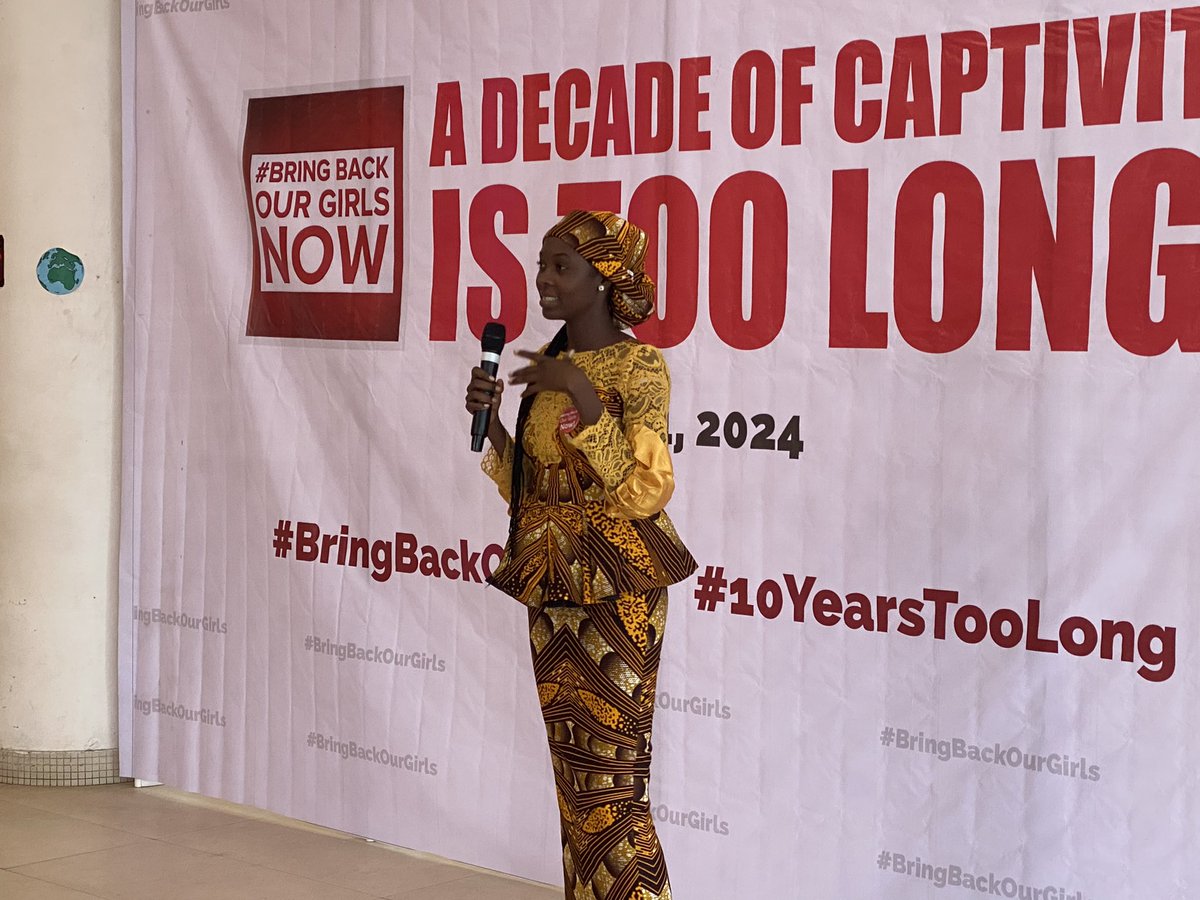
{"x": 118, "y": 841}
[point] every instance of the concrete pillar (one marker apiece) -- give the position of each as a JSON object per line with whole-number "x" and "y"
{"x": 60, "y": 186}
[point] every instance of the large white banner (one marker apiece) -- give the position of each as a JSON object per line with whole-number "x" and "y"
{"x": 930, "y": 294}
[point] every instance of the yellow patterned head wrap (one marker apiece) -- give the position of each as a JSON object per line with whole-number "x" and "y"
{"x": 616, "y": 248}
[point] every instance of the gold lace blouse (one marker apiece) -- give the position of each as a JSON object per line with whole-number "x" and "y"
{"x": 591, "y": 522}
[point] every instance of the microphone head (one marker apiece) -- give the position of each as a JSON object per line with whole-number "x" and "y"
{"x": 493, "y": 337}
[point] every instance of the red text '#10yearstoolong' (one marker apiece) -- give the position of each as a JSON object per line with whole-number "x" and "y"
{"x": 1153, "y": 646}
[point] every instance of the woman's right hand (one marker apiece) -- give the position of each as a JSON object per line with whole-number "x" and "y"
{"x": 483, "y": 391}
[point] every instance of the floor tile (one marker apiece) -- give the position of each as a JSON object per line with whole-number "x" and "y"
{"x": 22, "y": 887}
{"x": 482, "y": 887}
{"x": 148, "y": 812}
{"x": 29, "y": 835}
{"x": 336, "y": 859}
{"x": 116, "y": 842}
{"x": 155, "y": 870}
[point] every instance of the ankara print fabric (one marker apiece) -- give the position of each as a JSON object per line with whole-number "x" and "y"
{"x": 596, "y": 668}
{"x": 592, "y": 523}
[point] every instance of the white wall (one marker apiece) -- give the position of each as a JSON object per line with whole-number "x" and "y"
{"x": 59, "y": 374}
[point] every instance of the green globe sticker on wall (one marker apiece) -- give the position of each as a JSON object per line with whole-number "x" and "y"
{"x": 60, "y": 271}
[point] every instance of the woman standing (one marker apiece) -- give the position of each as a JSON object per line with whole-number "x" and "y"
{"x": 590, "y": 549}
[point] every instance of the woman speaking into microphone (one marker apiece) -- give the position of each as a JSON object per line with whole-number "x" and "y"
{"x": 590, "y": 548}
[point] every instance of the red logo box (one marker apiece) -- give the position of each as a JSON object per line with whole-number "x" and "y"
{"x": 324, "y": 183}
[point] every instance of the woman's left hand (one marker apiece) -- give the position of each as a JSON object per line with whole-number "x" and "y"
{"x": 554, "y": 373}
{"x": 548, "y": 373}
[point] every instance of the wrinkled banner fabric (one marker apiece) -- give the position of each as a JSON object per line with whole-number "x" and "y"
{"x": 929, "y": 282}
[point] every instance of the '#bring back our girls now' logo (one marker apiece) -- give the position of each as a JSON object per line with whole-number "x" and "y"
{"x": 324, "y": 185}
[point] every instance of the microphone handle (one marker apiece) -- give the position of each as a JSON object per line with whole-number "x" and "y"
{"x": 482, "y": 419}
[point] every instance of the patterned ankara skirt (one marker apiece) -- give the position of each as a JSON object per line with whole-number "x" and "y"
{"x": 596, "y": 667}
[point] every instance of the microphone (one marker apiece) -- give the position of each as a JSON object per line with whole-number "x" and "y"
{"x": 491, "y": 344}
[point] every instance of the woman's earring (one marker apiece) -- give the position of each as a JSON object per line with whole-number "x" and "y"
{"x": 600, "y": 288}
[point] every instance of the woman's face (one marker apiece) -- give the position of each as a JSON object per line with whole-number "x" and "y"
{"x": 567, "y": 284}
